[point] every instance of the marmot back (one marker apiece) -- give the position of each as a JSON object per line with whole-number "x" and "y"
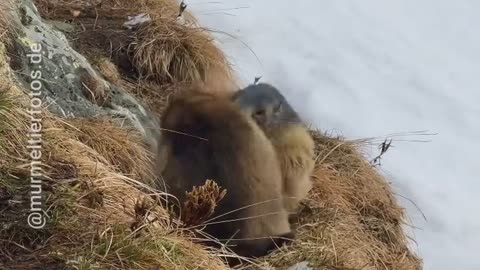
{"x": 288, "y": 134}
{"x": 207, "y": 137}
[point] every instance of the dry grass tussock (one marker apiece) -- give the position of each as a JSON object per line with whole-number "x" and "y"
{"x": 164, "y": 34}
{"x": 121, "y": 147}
{"x": 351, "y": 219}
{"x": 166, "y": 49}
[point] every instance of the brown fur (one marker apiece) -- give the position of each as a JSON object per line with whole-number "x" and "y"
{"x": 291, "y": 139}
{"x": 207, "y": 137}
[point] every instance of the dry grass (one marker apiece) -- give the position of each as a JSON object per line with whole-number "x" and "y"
{"x": 108, "y": 69}
{"x": 352, "y": 219}
{"x": 111, "y": 9}
{"x": 5, "y": 19}
{"x": 94, "y": 89}
{"x": 166, "y": 50}
{"x": 122, "y": 147}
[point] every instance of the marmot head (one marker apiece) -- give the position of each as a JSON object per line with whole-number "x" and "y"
{"x": 266, "y": 105}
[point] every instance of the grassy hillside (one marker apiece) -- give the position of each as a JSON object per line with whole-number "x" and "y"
{"x": 102, "y": 212}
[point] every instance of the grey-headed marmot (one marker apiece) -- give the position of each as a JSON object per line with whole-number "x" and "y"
{"x": 288, "y": 134}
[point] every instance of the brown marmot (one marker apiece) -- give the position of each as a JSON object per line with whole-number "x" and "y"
{"x": 207, "y": 137}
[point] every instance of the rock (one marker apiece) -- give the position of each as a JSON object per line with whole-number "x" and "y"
{"x": 62, "y": 26}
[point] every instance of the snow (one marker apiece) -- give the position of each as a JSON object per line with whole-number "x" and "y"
{"x": 370, "y": 68}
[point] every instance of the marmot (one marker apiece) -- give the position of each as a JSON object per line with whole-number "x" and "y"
{"x": 207, "y": 137}
{"x": 288, "y": 134}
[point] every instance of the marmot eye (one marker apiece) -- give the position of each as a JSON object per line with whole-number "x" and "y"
{"x": 259, "y": 112}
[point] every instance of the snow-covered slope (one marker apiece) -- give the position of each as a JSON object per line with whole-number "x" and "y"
{"x": 371, "y": 68}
